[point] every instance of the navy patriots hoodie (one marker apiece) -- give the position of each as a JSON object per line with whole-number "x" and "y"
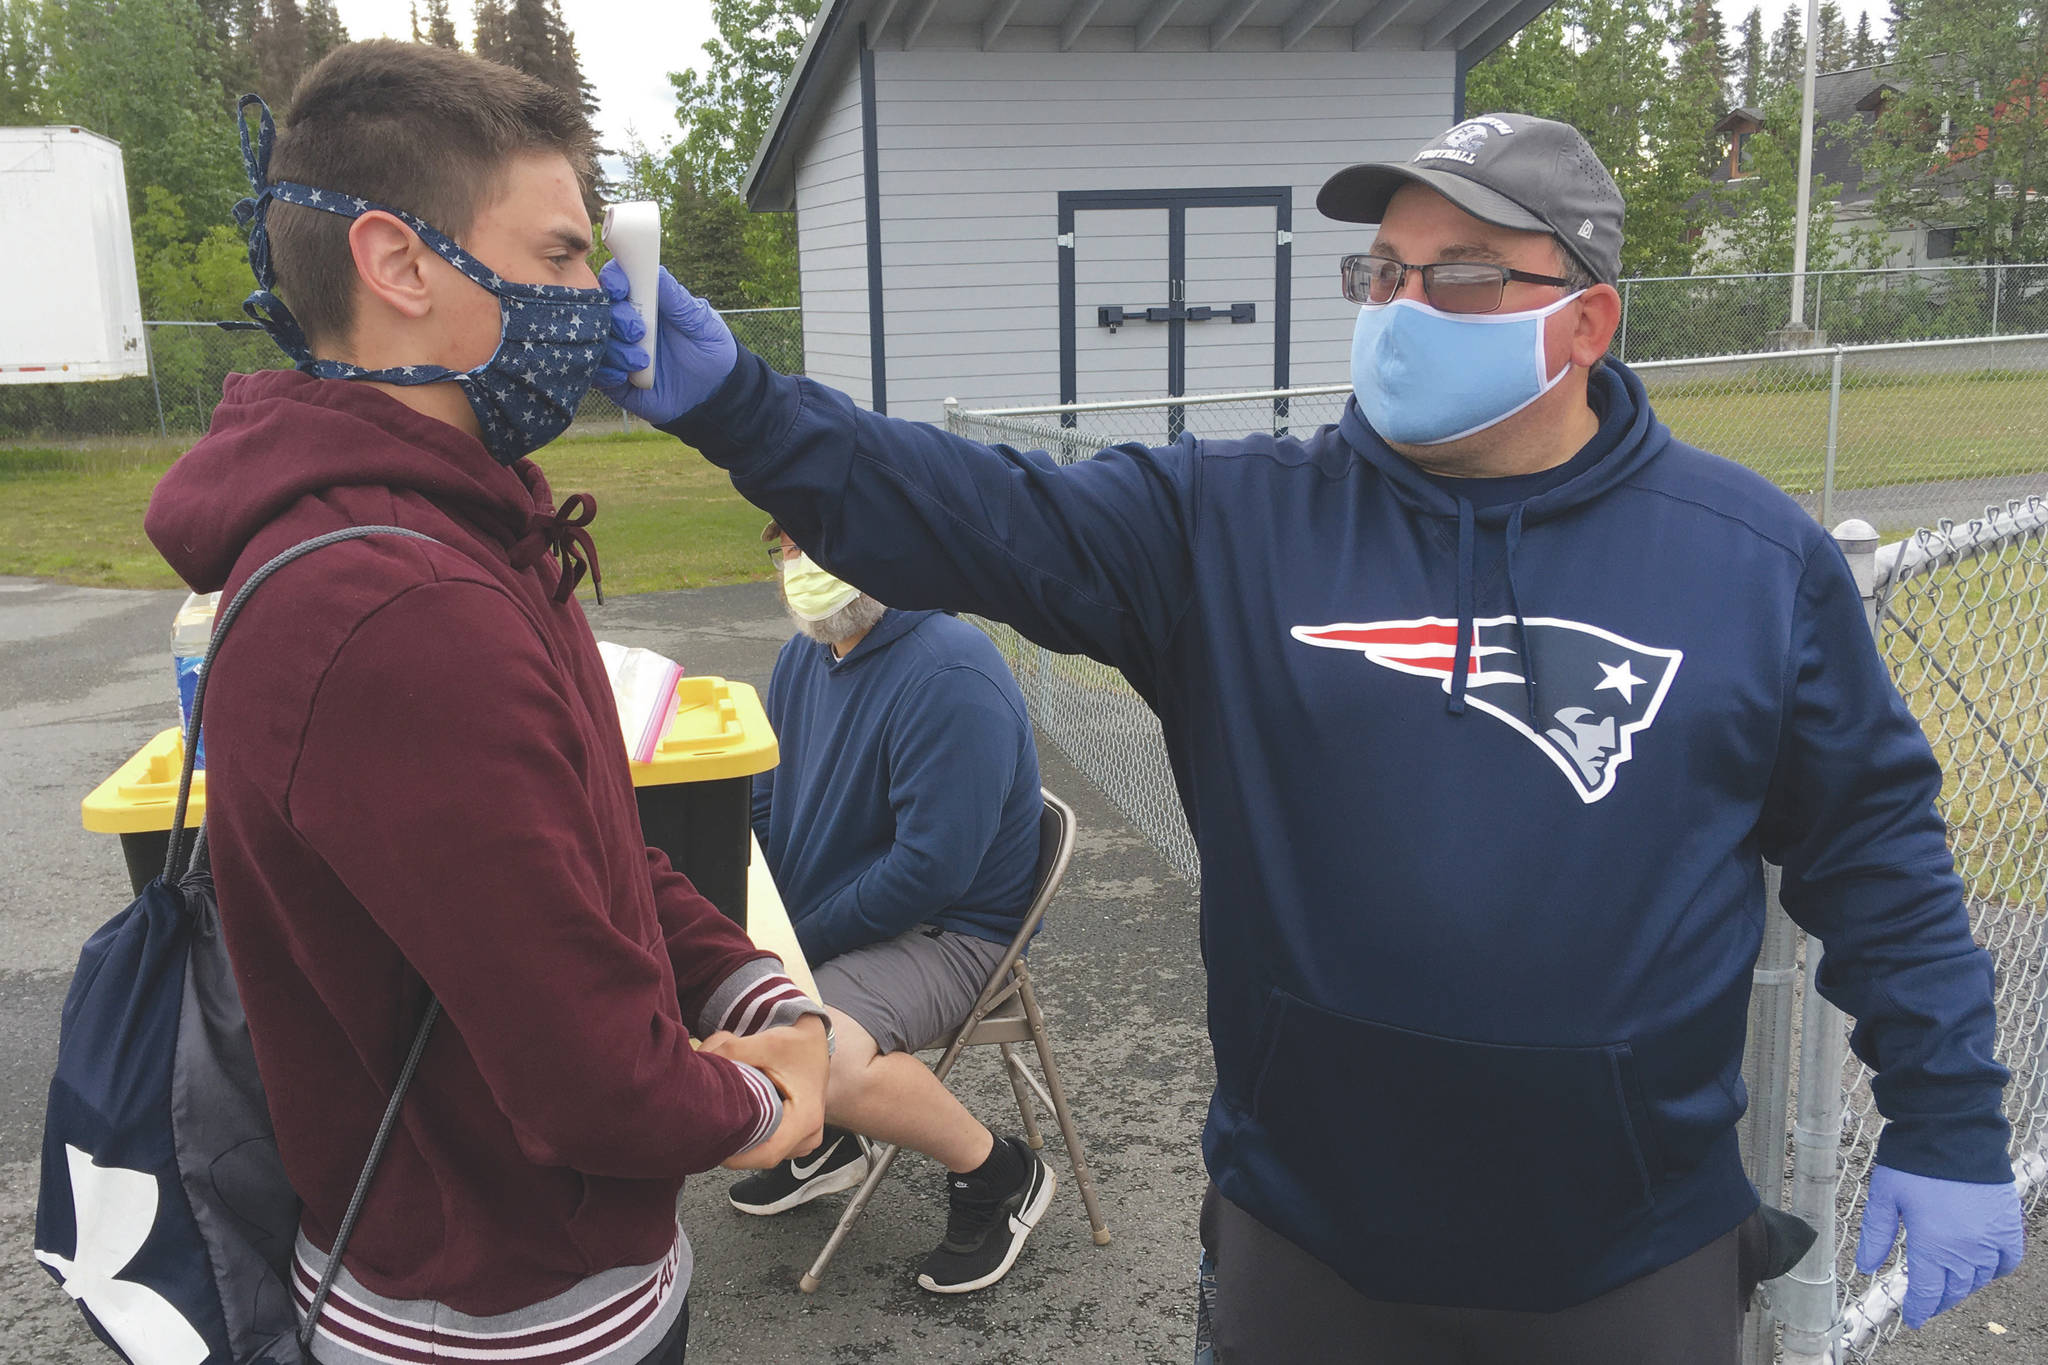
{"x": 1479, "y": 905}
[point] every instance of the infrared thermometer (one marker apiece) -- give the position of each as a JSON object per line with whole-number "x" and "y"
{"x": 632, "y": 233}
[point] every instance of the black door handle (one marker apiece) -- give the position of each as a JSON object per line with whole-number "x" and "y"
{"x": 1113, "y": 316}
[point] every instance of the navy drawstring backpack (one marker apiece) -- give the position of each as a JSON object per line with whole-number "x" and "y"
{"x": 164, "y": 1208}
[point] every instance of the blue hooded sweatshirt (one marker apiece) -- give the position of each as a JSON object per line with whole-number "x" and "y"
{"x": 1482, "y": 797}
{"x": 908, "y": 788}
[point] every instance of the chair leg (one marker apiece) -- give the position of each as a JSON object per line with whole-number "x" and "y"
{"x": 1065, "y": 1116}
{"x": 1014, "y": 1067}
{"x": 882, "y": 1159}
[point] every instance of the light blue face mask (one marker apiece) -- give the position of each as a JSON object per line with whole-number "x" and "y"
{"x": 1424, "y": 377}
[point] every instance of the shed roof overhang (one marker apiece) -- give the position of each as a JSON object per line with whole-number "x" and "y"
{"x": 1471, "y": 28}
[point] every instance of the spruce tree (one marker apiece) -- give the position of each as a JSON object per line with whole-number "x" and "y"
{"x": 1834, "y": 37}
{"x": 324, "y": 30}
{"x": 440, "y": 27}
{"x": 492, "y": 37}
{"x": 1755, "y": 58}
{"x": 1786, "y": 67}
{"x": 281, "y": 50}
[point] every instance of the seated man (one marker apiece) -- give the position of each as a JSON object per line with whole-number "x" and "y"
{"x": 902, "y": 829}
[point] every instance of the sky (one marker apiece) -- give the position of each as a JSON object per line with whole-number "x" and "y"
{"x": 628, "y": 61}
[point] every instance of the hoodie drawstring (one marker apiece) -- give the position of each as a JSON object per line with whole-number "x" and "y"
{"x": 561, "y": 532}
{"x": 1461, "y": 661}
{"x": 1514, "y": 538}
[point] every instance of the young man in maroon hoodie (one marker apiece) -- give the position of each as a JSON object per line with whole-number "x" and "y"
{"x": 416, "y": 782}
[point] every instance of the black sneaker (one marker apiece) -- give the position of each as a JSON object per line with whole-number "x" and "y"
{"x": 839, "y": 1163}
{"x": 985, "y": 1229}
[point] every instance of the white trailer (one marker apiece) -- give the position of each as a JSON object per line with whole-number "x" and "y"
{"x": 71, "y": 311}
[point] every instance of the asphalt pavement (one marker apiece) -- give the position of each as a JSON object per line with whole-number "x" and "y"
{"x": 85, "y": 678}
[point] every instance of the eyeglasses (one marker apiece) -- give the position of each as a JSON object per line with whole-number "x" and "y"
{"x": 1453, "y": 286}
{"x": 777, "y": 555}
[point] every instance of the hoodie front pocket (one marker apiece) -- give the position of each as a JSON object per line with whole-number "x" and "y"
{"x": 1437, "y": 1146}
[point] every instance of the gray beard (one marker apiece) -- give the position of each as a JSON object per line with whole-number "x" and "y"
{"x": 862, "y": 614}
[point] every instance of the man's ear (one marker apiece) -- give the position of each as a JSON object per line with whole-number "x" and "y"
{"x": 1599, "y": 313}
{"x": 391, "y": 263}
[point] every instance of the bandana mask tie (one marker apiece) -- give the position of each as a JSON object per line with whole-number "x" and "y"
{"x": 551, "y": 337}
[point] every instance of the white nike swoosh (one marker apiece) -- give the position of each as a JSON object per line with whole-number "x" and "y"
{"x": 804, "y": 1172}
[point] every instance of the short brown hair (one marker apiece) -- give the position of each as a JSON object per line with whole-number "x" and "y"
{"x": 410, "y": 126}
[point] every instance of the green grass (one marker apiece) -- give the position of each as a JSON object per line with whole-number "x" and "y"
{"x": 1967, "y": 648}
{"x": 666, "y": 519}
{"x": 1895, "y": 429}
{"x": 75, "y": 515}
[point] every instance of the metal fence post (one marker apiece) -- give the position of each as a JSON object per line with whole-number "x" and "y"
{"x": 1827, "y": 473}
{"x": 155, "y": 384}
{"x": 1997, "y": 294}
{"x": 1809, "y": 1296}
{"x": 1767, "y": 1073}
{"x": 1621, "y": 351}
{"x": 1806, "y": 1300}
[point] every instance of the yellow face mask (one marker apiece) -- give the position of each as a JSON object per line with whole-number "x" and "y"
{"x": 812, "y": 593}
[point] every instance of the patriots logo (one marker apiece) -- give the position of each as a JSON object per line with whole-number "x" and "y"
{"x": 1595, "y": 690}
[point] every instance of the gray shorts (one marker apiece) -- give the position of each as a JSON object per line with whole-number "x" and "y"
{"x": 913, "y": 991}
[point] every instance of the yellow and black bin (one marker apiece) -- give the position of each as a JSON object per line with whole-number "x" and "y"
{"x": 137, "y": 803}
{"x": 695, "y": 796}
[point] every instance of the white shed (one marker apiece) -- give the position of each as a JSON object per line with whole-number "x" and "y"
{"x": 1019, "y": 201}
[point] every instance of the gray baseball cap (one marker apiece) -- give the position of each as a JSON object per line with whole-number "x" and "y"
{"x": 1510, "y": 170}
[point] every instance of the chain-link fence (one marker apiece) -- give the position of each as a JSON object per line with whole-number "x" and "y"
{"x": 774, "y": 334}
{"x": 1959, "y": 615}
{"x": 1663, "y": 318}
{"x": 1896, "y": 436}
{"x": 1681, "y": 316}
{"x": 1899, "y": 435}
{"x": 188, "y": 361}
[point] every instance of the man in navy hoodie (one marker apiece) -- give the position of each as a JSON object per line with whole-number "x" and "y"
{"x": 902, "y": 829}
{"x": 1486, "y": 705}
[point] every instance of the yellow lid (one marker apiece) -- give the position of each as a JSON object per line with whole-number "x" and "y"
{"x": 719, "y": 731}
{"x": 143, "y": 792}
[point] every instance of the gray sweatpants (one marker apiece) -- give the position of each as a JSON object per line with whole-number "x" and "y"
{"x": 1277, "y": 1305}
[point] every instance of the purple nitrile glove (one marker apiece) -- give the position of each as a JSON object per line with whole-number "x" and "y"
{"x": 1959, "y": 1236}
{"x": 694, "y": 349}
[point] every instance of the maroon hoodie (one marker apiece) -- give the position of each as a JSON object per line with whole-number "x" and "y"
{"x": 417, "y": 783}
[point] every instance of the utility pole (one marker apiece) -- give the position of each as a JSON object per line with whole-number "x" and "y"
{"x": 1796, "y": 334}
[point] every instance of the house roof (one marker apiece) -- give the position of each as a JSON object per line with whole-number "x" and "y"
{"x": 1846, "y": 105}
{"x": 1471, "y": 28}
{"x": 1838, "y": 97}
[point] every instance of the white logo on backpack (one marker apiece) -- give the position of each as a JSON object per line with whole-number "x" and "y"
{"x": 114, "y": 1209}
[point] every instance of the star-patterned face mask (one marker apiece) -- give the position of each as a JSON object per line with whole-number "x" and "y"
{"x": 550, "y": 340}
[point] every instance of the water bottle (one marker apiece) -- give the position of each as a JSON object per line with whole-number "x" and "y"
{"x": 191, "y": 629}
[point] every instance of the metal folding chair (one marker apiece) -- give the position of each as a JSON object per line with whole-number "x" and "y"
{"x": 1006, "y": 1014}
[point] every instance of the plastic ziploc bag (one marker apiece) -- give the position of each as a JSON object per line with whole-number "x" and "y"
{"x": 644, "y": 687}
